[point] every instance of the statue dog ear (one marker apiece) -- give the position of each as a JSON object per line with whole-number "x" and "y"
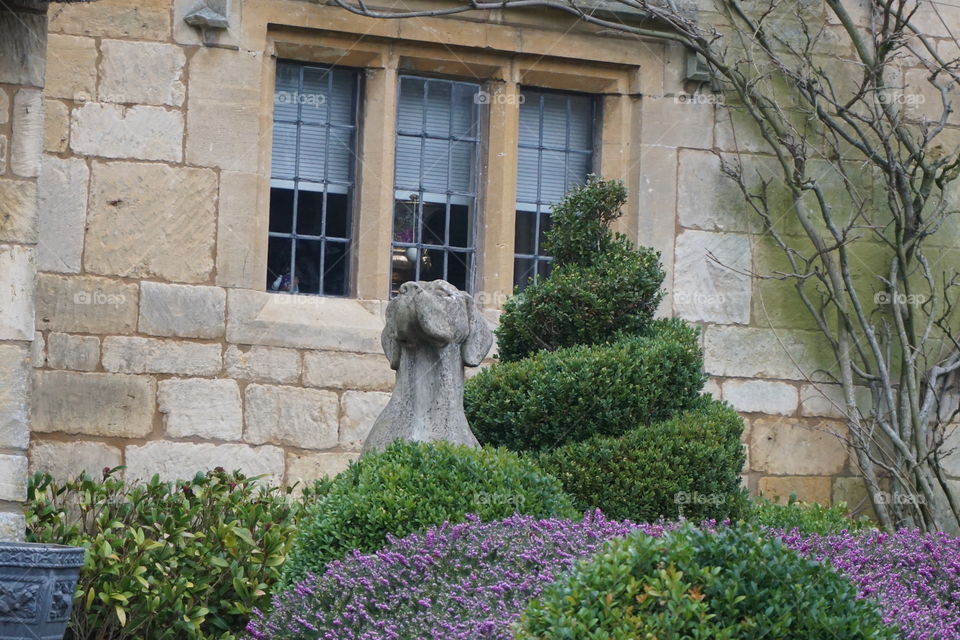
{"x": 388, "y": 338}
{"x": 475, "y": 348}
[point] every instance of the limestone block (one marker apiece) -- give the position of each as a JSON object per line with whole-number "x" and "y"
{"x": 141, "y": 73}
{"x": 241, "y": 232}
{"x": 671, "y": 122}
{"x": 56, "y": 127}
{"x": 66, "y": 460}
{"x": 18, "y": 211}
{"x": 711, "y": 201}
{"x": 936, "y": 19}
{"x": 181, "y": 460}
{"x": 360, "y": 410}
{"x": 62, "y": 202}
{"x": 951, "y": 447}
{"x": 26, "y": 146}
{"x": 13, "y": 477}
{"x": 711, "y": 281}
{"x": 747, "y": 352}
{"x": 4, "y": 106}
{"x": 787, "y": 446}
{"x": 657, "y": 226}
{"x": 14, "y": 397}
{"x": 312, "y": 322}
{"x": 853, "y": 491}
{"x": 304, "y": 468}
{"x": 23, "y": 48}
{"x": 712, "y": 387}
{"x": 38, "y": 350}
{"x": 86, "y": 304}
{"x": 71, "y": 68}
{"x": 826, "y": 400}
{"x": 150, "y": 220}
{"x": 18, "y": 268}
{"x": 123, "y": 354}
{"x": 138, "y": 132}
{"x": 3, "y": 154}
{"x": 95, "y": 404}
{"x": 807, "y": 488}
{"x": 262, "y": 364}
{"x": 223, "y": 109}
{"x": 338, "y": 370}
{"x": 202, "y": 408}
{"x": 80, "y": 353}
{"x": 182, "y": 311}
{"x": 12, "y": 526}
{"x": 736, "y": 130}
{"x": 761, "y": 396}
{"x": 290, "y": 416}
{"x": 134, "y": 19}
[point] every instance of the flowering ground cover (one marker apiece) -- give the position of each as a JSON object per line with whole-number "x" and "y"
{"x": 469, "y": 581}
{"x": 473, "y": 580}
{"x": 914, "y": 576}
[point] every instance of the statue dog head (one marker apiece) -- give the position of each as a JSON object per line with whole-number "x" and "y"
{"x": 435, "y": 313}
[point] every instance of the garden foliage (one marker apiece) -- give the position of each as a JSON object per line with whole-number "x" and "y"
{"x": 570, "y": 394}
{"x": 410, "y": 486}
{"x": 733, "y": 583}
{"x": 686, "y": 466}
{"x": 805, "y": 517}
{"x": 601, "y": 287}
{"x": 166, "y": 561}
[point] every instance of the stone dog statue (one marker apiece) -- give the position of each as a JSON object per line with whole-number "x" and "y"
{"x": 432, "y": 330}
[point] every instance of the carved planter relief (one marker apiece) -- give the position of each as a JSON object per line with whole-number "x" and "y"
{"x": 37, "y": 582}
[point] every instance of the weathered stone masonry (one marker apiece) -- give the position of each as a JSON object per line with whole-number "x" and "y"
{"x": 156, "y": 345}
{"x": 22, "y": 52}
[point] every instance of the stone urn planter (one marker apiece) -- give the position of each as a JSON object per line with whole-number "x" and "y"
{"x": 37, "y": 582}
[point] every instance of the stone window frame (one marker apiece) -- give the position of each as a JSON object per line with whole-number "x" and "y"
{"x": 502, "y": 73}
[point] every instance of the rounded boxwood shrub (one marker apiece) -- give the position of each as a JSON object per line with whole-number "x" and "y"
{"x": 571, "y": 394}
{"x": 601, "y": 286}
{"x": 731, "y": 584}
{"x": 410, "y": 486}
{"x": 687, "y": 466}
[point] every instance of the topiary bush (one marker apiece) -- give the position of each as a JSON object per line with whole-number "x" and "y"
{"x": 601, "y": 287}
{"x": 687, "y": 466}
{"x": 729, "y": 584}
{"x": 410, "y": 486}
{"x": 804, "y": 517}
{"x": 167, "y": 561}
{"x": 571, "y": 394}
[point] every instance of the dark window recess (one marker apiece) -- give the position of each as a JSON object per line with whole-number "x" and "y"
{"x": 555, "y": 153}
{"x": 314, "y": 154}
{"x": 438, "y": 132}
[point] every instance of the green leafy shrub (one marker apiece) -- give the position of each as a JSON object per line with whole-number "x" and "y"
{"x": 167, "y": 560}
{"x": 731, "y": 584}
{"x": 601, "y": 287}
{"x": 410, "y": 486}
{"x": 807, "y": 517}
{"x": 571, "y": 394}
{"x": 689, "y": 465}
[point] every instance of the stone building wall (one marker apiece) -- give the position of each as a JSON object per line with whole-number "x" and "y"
{"x": 157, "y": 347}
{"x": 22, "y": 50}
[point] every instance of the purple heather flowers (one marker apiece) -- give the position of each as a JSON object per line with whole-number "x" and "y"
{"x": 473, "y": 580}
{"x": 469, "y": 581}
{"x": 914, "y": 576}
